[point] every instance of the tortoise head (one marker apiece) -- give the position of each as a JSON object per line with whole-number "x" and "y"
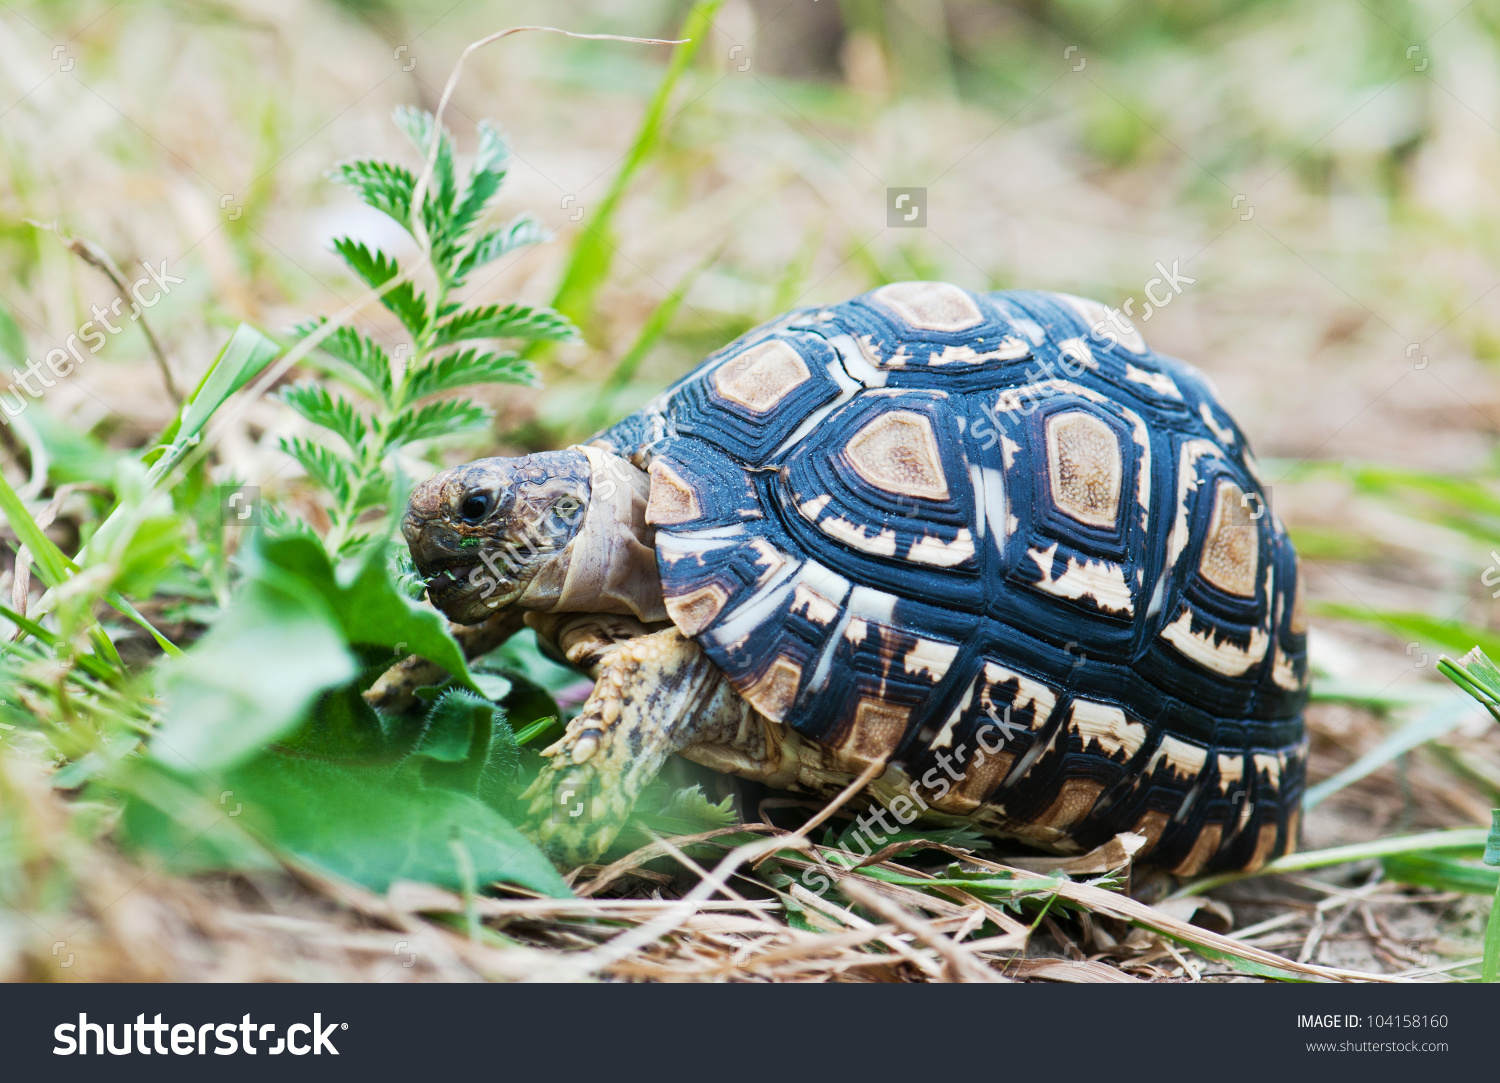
{"x": 496, "y": 532}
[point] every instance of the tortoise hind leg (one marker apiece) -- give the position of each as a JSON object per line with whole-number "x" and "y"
{"x": 656, "y": 694}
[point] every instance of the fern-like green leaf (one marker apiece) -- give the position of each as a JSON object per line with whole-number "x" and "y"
{"x": 491, "y": 155}
{"x": 374, "y": 492}
{"x": 383, "y": 185}
{"x": 465, "y": 368}
{"x": 366, "y": 365}
{"x": 334, "y": 412}
{"x": 444, "y": 418}
{"x": 417, "y": 124}
{"x": 490, "y": 245}
{"x": 281, "y": 523}
{"x": 376, "y": 268}
{"x": 325, "y": 467}
{"x": 505, "y": 321}
{"x": 485, "y": 179}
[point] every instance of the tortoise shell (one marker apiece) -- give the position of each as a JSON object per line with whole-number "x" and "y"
{"x": 926, "y": 513}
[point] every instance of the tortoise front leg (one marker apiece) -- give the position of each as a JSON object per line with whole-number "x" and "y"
{"x": 654, "y": 695}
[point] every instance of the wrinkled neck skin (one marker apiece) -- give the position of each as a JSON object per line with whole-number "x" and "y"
{"x": 610, "y": 564}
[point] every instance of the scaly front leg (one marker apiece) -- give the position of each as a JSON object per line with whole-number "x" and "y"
{"x": 649, "y": 701}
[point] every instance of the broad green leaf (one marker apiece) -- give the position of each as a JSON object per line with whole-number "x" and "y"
{"x": 251, "y": 679}
{"x": 190, "y": 825}
{"x": 370, "y": 610}
{"x": 521, "y": 654}
{"x": 371, "y": 825}
{"x": 468, "y": 746}
{"x": 378, "y": 826}
{"x": 457, "y": 728}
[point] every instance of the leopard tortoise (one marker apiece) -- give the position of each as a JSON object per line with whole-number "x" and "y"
{"x": 988, "y": 549}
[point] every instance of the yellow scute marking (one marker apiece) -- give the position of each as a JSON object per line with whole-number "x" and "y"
{"x": 930, "y": 306}
{"x": 930, "y": 656}
{"x": 1184, "y": 757}
{"x": 881, "y": 545}
{"x": 1231, "y": 549}
{"x": 930, "y": 550}
{"x": 1107, "y": 725}
{"x": 898, "y": 452}
{"x": 673, "y": 500}
{"x": 762, "y": 376}
{"x": 1210, "y": 653}
{"x": 1097, "y": 579}
{"x": 1084, "y": 466}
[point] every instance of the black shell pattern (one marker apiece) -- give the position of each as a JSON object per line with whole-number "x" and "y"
{"x": 928, "y": 521}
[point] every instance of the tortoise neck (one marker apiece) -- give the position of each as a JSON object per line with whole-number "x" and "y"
{"x": 610, "y": 565}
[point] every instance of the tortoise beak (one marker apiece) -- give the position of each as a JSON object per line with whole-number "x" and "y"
{"x": 433, "y": 543}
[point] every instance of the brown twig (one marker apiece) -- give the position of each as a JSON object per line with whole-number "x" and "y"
{"x": 97, "y": 258}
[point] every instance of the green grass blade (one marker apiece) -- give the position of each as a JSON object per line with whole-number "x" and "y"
{"x": 536, "y": 729}
{"x": 655, "y": 326}
{"x": 593, "y": 250}
{"x": 1448, "y": 636}
{"x": 1490, "y": 973}
{"x": 1458, "y": 838}
{"x": 1491, "y": 969}
{"x": 87, "y": 662}
{"x": 243, "y": 358}
{"x": 53, "y": 564}
{"x": 1437, "y": 721}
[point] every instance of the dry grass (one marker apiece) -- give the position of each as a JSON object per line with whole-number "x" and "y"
{"x": 660, "y": 914}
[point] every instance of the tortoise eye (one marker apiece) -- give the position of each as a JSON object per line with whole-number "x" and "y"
{"x": 475, "y": 507}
